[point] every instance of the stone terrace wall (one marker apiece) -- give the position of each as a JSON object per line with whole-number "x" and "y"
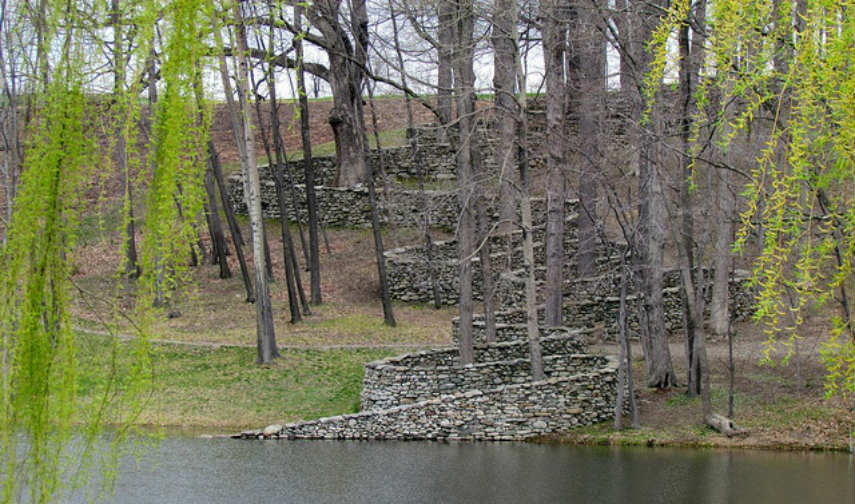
{"x": 350, "y": 207}
{"x": 555, "y": 340}
{"x": 426, "y": 375}
{"x": 387, "y": 386}
{"x": 438, "y": 161}
{"x": 594, "y": 303}
{"x": 504, "y": 413}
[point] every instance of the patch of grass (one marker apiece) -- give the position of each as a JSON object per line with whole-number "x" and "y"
{"x": 224, "y": 388}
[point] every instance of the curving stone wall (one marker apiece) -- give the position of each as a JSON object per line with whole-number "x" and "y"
{"x": 426, "y": 375}
{"x": 594, "y": 303}
{"x": 387, "y": 385}
{"x": 504, "y": 413}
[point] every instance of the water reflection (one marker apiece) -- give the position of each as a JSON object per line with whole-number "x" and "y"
{"x": 192, "y": 470}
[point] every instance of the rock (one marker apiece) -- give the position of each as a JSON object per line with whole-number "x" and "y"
{"x": 271, "y": 430}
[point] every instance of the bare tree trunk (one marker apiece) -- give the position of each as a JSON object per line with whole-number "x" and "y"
{"x": 231, "y": 220}
{"x": 484, "y": 251}
{"x": 625, "y": 381}
{"x": 415, "y": 156}
{"x": 266, "y": 337}
{"x": 652, "y": 211}
{"x": 464, "y": 82}
{"x": 237, "y": 239}
{"x": 719, "y": 311}
{"x": 532, "y": 331}
{"x": 219, "y": 249}
{"x": 360, "y": 27}
{"x": 587, "y": 104}
{"x": 445, "y": 58}
{"x": 308, "y": 168}
{"x": 504, "y": 83}
{"x": 275, "y": 166}
{"x": 132, "y": 269}
{"x": 554, "y": 41}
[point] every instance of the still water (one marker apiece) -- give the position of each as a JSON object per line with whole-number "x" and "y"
{"x": 191, "y": 470}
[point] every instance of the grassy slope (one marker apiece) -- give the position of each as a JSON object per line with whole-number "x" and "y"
{"x": 221, "y": 387}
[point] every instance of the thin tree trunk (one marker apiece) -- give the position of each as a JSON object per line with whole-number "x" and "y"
{"x": 464, "y": 82}
{"x": 275, "y": 166}
{"x": 504, "y": 84}
{"x": 625, "y": 380}
{"x": 587, "y": 78}
{"x": 445, "y": 62}
{"x": 415, "y": 156}
{"x": 132, "y": 269}
{"x": 308, "y": 170}
{"x": 553, "y": 54}
{"x": 242, "y": 123}
{"x": 535, "y": 354}
{"x": 218, "y": 241}
{"x": 237, "y": 239}
{"x": 362, "y": 35}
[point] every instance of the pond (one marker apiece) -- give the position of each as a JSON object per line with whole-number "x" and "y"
{"x": 193, "y": 470}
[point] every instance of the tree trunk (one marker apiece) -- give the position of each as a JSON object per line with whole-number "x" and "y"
{"x": 132, "y": 269}
{"x": 652, "y": 214}
{"x": 532, "y": 331}
{"x": 346, "y": 73}
{"x": 587, "y": 78}
{"x": 504, "y": 79}
{"x": 308, "y": 169}
{"x": 445, "y": 61}
{"x": 360, "y": 27}
{"x": 266, "y": 337}
{"x": 625, "y": 380}
{"x": 275, "y": 165}
{"x": 415, "y": 156}
{"x": 464, "y": 82}
{"x": 219, "y": 248}
{"x": 554, "y": 43}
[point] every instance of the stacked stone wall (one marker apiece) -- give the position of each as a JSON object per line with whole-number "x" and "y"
{"x": 350, "y": 207}
{"x": 504, "y": 413}
{"x": 594, "y": 303}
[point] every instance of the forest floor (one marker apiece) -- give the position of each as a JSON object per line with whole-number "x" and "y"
{"x": 205, "y": 376}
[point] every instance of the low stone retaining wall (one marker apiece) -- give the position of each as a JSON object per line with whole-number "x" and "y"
{"x": 517, "y": 332}
{"x": 504, "y": 413}
{"x": 387, "y": 386}
{"x": 438, "y": 161}
{"x": 397, "y": 381}
{"x": 583, "y": 309}
{"x": 350, "y": 207}
{"x": 554, "y": 340}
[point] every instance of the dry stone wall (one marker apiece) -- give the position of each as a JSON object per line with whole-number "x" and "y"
{"x": 594, "y": 303}
{"x": 438, "y": 162}
{"x": 350, "y": 207}
{"x": 503, "y": 413}
{"x": 426, "y": 375}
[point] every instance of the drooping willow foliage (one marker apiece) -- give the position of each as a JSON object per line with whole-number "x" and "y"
{"x": 47, "y": 439}
{"x": 789, "y": 66}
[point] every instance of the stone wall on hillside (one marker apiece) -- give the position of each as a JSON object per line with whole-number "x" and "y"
{"x": 426, "y": 375}
{"x": 504, "y": 413}
{"x": 438, "y": 162}
{"x": 387, "y": 386}
{"x": 350, "y": 207}
{"x": 594, "y": 304}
